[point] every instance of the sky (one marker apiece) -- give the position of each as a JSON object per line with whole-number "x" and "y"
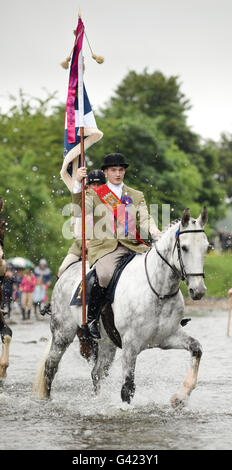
{"x": 190, "y": 39}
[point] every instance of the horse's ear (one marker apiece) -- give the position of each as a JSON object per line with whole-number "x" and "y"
{"x": 203, "y": 217}
{"x": 185, "y": 217}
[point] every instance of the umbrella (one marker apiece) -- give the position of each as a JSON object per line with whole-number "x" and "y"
{"x": 20, "y": 263}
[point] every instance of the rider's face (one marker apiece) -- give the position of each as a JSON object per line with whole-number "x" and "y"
{"x": 115, "y": 174}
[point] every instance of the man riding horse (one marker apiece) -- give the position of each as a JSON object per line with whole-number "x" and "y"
{"x": 121, "y": 237}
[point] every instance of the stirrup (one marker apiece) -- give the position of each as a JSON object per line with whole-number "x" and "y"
{"x": 83, "y": 333}
{"x": 46, "y": 309}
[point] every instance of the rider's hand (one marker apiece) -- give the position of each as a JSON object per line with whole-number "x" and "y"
{"x": 155, "y": 233}
{"x": 81, "y": 173}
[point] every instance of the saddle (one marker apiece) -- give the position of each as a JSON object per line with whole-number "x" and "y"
{"x": 107, "y": 314}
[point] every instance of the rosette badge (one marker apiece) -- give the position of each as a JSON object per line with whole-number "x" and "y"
{"x": 127, "y": 200}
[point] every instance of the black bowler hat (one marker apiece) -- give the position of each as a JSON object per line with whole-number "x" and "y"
{"x": 114, "y": 159}
{"x": 96, "y": 176}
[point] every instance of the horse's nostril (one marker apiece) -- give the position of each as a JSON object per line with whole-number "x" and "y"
{"x": 191, "y": 291}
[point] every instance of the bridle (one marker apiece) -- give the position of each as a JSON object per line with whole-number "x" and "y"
{"x": 182, "y": 274}
{"x": 177, "y": 244}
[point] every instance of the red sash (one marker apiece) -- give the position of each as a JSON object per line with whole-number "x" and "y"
{"x": 119, "y": 210}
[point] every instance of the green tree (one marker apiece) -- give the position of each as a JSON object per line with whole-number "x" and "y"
{"x": 31, "y": 143}
{"x": 156, "y": 96}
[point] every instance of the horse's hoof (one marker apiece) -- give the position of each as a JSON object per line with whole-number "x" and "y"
{"x": 127, "y": 393}
{"x": 3, "y": 373}
{"x": 178, "y": 401}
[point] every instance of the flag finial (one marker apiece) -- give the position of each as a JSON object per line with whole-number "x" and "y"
{"x": 79, "y": 13}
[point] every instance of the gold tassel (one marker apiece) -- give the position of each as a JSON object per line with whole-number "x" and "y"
{"x": 98, "y": 58}
{"x": 65, "y": 63}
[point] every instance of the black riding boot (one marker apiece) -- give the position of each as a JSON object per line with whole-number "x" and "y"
{"x": 97, "y": 296}
{"x": 23, "y": 313}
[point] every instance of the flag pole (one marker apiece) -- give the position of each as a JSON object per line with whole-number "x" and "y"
{"x": 85, "y": 136}
{"x": 82, "y": 162}
{"x": 83, "y": 231}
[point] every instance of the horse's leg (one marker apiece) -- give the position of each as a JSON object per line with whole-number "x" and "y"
{"x": 6, "y": 335}
{"x": 61, "y": 339}
{"x": 182, "y": 341}
{"x": 58, "y": 347}
{"x": 4, "y": 360}
{"x": 129, "y": 357}
{"x": 105, "y": 357}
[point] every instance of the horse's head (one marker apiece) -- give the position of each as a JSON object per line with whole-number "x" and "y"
{"x": 191, "y": 245}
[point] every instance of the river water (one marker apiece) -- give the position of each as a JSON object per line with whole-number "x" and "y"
{"x": 75, "y": 419}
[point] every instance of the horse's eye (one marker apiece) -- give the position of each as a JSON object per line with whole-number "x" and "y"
{"x": 184, "y": 248}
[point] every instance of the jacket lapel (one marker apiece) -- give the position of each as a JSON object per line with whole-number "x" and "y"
{"x": 126, "y": 191}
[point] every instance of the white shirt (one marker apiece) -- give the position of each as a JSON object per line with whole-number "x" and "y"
{"x": 116, "y": 188}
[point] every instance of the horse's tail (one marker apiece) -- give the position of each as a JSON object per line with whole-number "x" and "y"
{"x": 39, "y": 388}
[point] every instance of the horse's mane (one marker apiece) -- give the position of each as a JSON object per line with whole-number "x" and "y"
{"x": 175, "y": 222}
{"x": 170, "y": 225}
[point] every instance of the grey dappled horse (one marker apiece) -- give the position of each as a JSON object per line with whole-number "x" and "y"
{"x": 148, "y": 308}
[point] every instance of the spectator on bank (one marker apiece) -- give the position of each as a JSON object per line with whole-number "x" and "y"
{"x": 27, "y": 287}
{"x": 39, "y": 295}
{"x": 7, "y": 290}
{"x": 44, "y": 272}
{"x": 17, "y": 294}
{"x": 225, "y": 240}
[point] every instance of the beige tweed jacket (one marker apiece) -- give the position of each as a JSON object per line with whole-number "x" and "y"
{"x": 107, "y": 234}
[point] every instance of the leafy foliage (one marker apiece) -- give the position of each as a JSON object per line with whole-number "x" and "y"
{"x": 30, "y": 156}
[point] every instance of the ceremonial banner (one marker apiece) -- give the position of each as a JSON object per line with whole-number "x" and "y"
{"x": 78, "y": 114}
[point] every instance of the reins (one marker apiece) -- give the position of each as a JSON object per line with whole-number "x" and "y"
{"x": 160, "y": 297}
{"x": 183, "y": 275}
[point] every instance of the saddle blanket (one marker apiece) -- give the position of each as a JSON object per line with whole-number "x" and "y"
{"x": 91, "y": 276}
